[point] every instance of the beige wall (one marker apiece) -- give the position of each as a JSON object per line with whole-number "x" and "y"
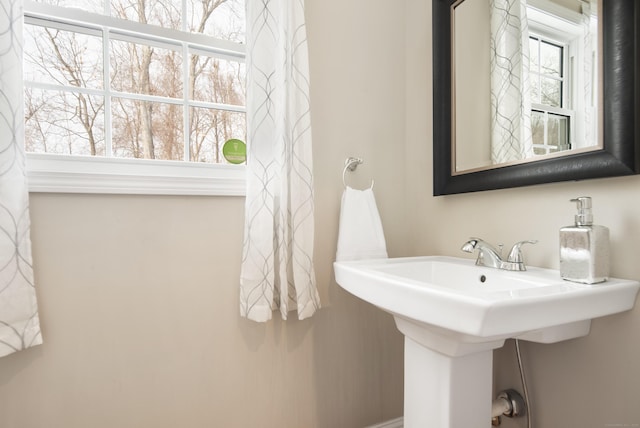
{"x": 588, "y": 382}
{"x": 139, "y": 295}
{"x": 472, "y": 85}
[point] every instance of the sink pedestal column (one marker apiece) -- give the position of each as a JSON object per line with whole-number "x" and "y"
{"x": 447, "y": 388}
{"x": 446, "y": 392}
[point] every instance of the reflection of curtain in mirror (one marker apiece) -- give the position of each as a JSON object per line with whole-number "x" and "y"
{"x": 589, "y": 73}
{"x": 510, "y": 98}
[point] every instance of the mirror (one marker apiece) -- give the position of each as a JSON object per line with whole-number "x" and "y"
{"x": 584, "y": 144}
{"x": 524, "y": 81}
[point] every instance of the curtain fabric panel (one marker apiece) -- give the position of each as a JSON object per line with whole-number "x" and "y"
{"x": 589, "y": 73}
{"x": 277, "y": 263}
{"x": 19, "y": 323}
{"x": 511, "y": 138}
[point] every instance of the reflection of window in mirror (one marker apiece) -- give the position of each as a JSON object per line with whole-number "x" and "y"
{"x": 551, "y": 113}
{"x": 562, "y": 48}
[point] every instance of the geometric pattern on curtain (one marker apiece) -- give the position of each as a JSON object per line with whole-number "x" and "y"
{"x": 511, "y": 138}
{"x": 589, "y": 72}
{"x": 277, "y": 270}
{"x": 19, "y": 323}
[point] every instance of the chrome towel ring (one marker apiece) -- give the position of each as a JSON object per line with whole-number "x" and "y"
{"x": 350, "y": 164}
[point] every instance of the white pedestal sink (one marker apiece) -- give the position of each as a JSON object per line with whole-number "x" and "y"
{"x": 454, "y": 314}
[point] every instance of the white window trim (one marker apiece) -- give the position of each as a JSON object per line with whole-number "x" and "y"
{"x": 107, "y": 175}
{"x": 80, "y": 174}
{"x": 556, "y": 24}
{"x": 92, "y": 20}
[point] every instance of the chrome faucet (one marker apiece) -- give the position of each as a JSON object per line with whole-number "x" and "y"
{"x": 487, "y": 254}
{"x": 491, "y": 257}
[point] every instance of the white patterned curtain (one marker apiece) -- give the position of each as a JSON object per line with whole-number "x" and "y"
{"x": 19, "y": 324}
{"x": 277, "y": 263}
{"x": 589, "y": 72}
{"x": 511, "y": 138}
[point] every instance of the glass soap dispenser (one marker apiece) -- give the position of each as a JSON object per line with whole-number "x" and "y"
{"x": 584, "y": 247}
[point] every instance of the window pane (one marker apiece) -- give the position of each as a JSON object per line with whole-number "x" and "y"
{"x": 163, "y": 13}
{"x": 537, "y": 128}
{"x": 534, "y": 85}
{"x": 224, "y": 19}
{"x": 218, "y": 18}
{"x": 144, "y": 69}
{"x": 558, "y": 127}
{"x": 96, "y": 6}
{"x": 217, "y": 80}
{"x": 143, "y": 129}
{"x": 533, "y": 54}
{"x": 551, "y": 59}
{"x": 64, "y": 123}
{"x": 62, "y": 57}
{"x": 210, "y": 129}
{"x": 551, "y": 92}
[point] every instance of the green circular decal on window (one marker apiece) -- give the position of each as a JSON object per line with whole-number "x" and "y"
{"x": 235, "y": 151}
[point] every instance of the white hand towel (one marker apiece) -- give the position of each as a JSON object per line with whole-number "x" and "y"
{"x": 360, "y": 234}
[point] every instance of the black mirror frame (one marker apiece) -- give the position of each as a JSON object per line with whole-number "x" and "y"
{"x": 621, "y": 111}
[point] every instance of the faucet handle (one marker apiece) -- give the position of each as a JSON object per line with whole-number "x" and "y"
{"x": 515, "y": 255}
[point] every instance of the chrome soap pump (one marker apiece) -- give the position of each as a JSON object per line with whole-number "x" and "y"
{"x": 584, "y": 247}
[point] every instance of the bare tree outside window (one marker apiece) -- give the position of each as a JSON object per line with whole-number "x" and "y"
{"x": 156, "y": 99}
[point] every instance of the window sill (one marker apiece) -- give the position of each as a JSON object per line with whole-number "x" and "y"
{"x": 79, "y": 174}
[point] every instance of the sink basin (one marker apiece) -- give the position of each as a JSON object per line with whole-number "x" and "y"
{"x": 478, "y": 302}
{"x": 454, "y": 313}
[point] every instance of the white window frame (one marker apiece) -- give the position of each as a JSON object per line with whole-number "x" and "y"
{"x": 565, "y": 110}
{"x": 86, "y": 174}
{"x": 546, "y": 111}
{"x": 552, "y": 23}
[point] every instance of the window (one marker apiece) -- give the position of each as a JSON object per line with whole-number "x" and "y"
{"x": 146, "y": 89}
{"x": 563, "y": 76}
{"x": 551, "y": 117}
